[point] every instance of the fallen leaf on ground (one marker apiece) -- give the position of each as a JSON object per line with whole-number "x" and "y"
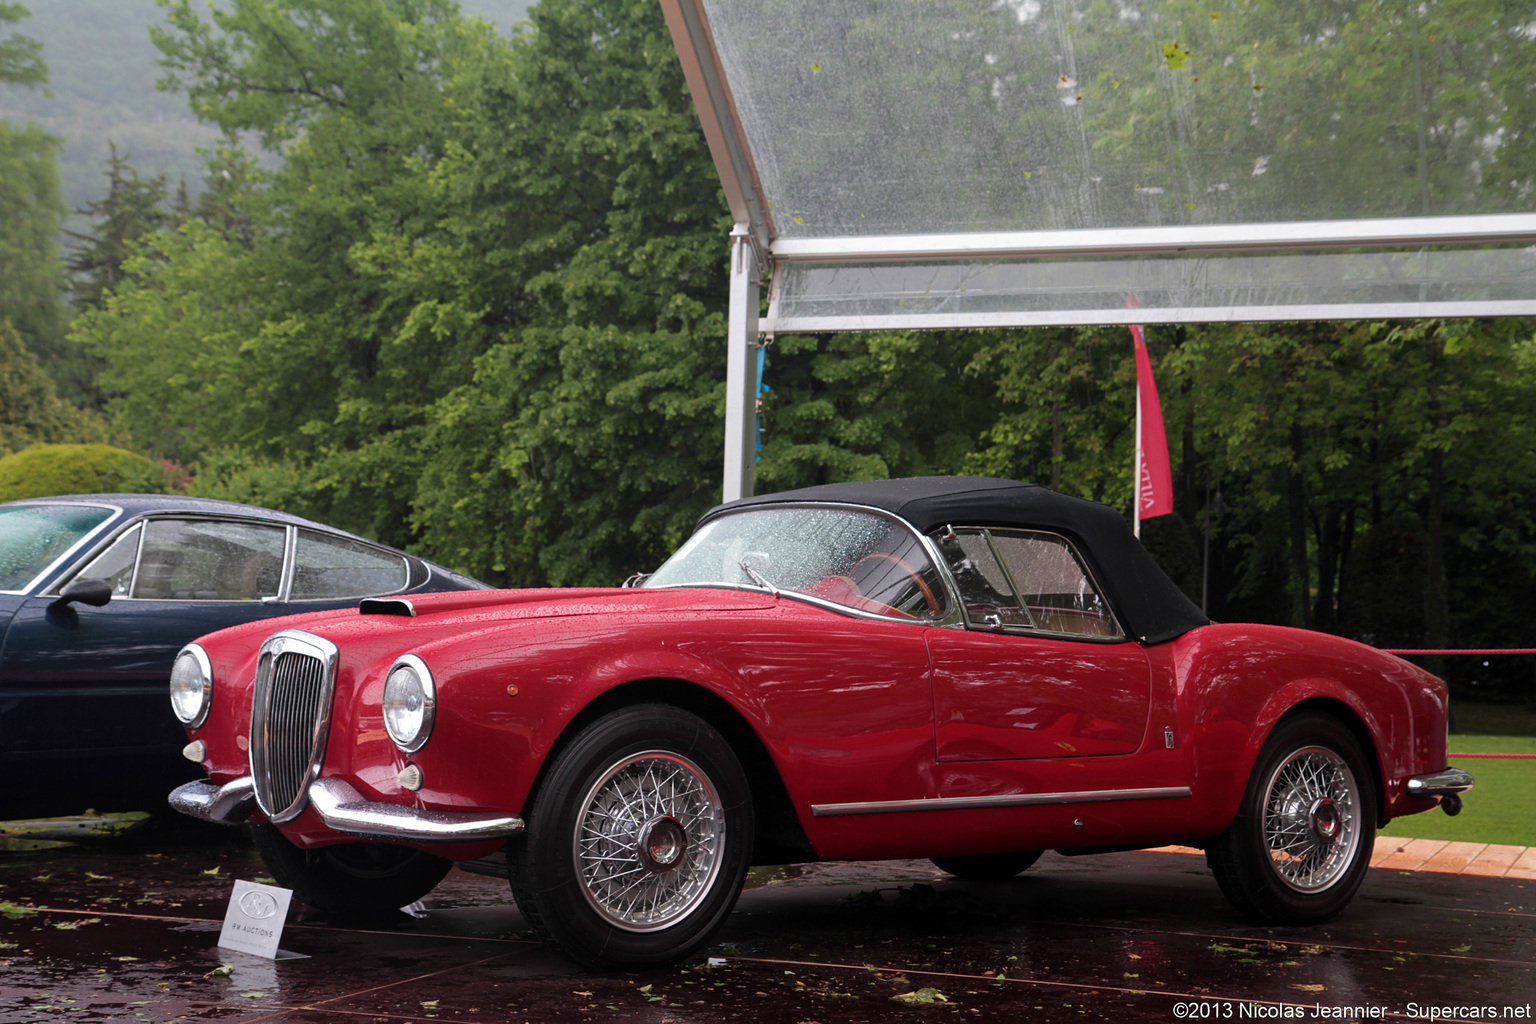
{"x": 922, "y": 995}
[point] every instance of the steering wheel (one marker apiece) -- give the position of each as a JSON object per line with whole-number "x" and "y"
{"x": 901, "y": 563}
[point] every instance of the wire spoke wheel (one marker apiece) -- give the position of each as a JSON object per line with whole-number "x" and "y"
{"x": 1300, "y": 844}
{"x": 638, "y": 839}
{"x": 1310, "y": 819}
{"x": 649, "y": 842}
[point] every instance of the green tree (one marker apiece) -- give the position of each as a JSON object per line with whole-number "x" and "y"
{"x": 855, "y": 407}
{"x": 351, "y": 93}
{"x": 172, "y": 334}
{"x": 31, "y": 412}
{"x": 21, "y": 57}
{"x": 1068, "y": 410}
{"x": 1344, "y": 448}
{"x": 585, "y": 241}
{"x": 31, "y": 208}
{"x": 132, "y": 208}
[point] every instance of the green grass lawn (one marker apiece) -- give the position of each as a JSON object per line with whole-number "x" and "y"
{"x": 1501, "y": 808}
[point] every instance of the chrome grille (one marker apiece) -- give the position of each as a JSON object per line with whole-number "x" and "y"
{"x": 290, "y": 718}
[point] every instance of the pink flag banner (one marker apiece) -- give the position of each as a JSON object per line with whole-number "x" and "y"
{"x": 1154, "y": 479}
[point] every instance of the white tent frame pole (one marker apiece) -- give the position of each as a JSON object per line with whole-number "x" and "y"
{"x": 728, "y": 146}
{"x": 741, "y": 368}
{"x": 1400, "y": 232}
{"x": 753, "y": 234}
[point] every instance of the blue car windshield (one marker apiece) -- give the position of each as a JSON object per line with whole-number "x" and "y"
{"x": 32, "y": 537}
{"x": 848, "y": 557}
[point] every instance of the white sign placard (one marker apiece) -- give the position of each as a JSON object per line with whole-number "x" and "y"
{"x": 254, "y": 921}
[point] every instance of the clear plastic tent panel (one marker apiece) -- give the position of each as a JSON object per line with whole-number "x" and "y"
{"x": 877, "y": 117}
{"x": 1189, "y": 288}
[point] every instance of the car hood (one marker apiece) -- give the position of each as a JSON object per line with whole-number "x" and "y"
{"x": 458, "y": 612}
{"x": 476, "y": 607}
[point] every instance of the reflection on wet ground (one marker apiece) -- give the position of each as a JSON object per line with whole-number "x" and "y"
{"x": 123, "y": 929}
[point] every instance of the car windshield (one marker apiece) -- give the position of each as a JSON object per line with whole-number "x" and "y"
{"x": 33, "y": 536}
{"x": 852, "y": 558}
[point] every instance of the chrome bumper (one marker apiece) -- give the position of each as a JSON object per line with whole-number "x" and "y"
{"x": 344, "y": 810}
{"x": 1443, "y": 783}
{"x": 229, "y": 804}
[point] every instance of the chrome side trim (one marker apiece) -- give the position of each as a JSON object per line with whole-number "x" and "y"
{"x": 229, "y": 804}
{"x": 343, "y": 809}
{"x": 1442, "y": 783}
{"x": 959, "y": 803}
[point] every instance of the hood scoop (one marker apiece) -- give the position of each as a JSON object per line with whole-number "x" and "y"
{"x": 387, "y": 606}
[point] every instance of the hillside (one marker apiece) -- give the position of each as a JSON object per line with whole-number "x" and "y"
{"x": 102, "y": 78}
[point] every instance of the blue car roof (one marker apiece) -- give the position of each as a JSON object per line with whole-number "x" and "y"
{"x": 142, "y": 504}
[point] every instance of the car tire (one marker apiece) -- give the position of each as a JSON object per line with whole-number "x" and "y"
{"x": 1302, "y": 840}
{"x": 637, "y": 840}
{"x": 351, "y": 879}
{"x": 988, "y": 867}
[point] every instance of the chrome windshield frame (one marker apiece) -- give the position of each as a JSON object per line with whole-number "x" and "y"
{"x": 952, "y": 617}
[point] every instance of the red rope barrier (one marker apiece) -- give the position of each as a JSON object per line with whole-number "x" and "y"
{"x": 1531, "y": 757}
{"x": 1431, "y": 650}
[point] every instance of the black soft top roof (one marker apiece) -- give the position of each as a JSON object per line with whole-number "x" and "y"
{"x": 1145, "y": 599}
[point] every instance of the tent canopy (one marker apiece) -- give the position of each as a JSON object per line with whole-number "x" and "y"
{"x": 970, "y": 163}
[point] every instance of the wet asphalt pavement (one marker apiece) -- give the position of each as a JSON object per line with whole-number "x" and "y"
{"x": 124, "y": 929}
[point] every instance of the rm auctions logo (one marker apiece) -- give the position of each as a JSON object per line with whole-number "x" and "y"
{"x": 257, "y": 905}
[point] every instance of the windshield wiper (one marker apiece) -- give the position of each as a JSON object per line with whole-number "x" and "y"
{"x": 757, "y": 577}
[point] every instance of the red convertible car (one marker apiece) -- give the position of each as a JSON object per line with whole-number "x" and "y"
{"x": 964, "y": 669}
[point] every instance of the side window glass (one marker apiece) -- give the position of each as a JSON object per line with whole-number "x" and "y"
{"x": 1053, "y": 584}
{"x": 334, "y": 567}
{"x": 115, "y": 565}
{"x": 984, "y": 588}
{"x": 33, "y": 536}
{"x": 207, "y": 560}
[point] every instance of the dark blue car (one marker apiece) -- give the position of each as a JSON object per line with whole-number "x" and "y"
{"x": 97, "y": 594}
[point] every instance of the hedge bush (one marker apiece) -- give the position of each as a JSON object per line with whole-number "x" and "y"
{"x": 48, "y": 469}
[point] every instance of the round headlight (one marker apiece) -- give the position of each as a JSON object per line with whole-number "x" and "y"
{"x": 191, "y": 686}
{"x": 410, "y": 703}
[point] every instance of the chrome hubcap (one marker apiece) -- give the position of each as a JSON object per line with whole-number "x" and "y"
{"x": 1310, "y": 825}
{"x": 1325, "y": 820}
{"x": 662, "y": 843}
{"x": 649, "y": 841}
